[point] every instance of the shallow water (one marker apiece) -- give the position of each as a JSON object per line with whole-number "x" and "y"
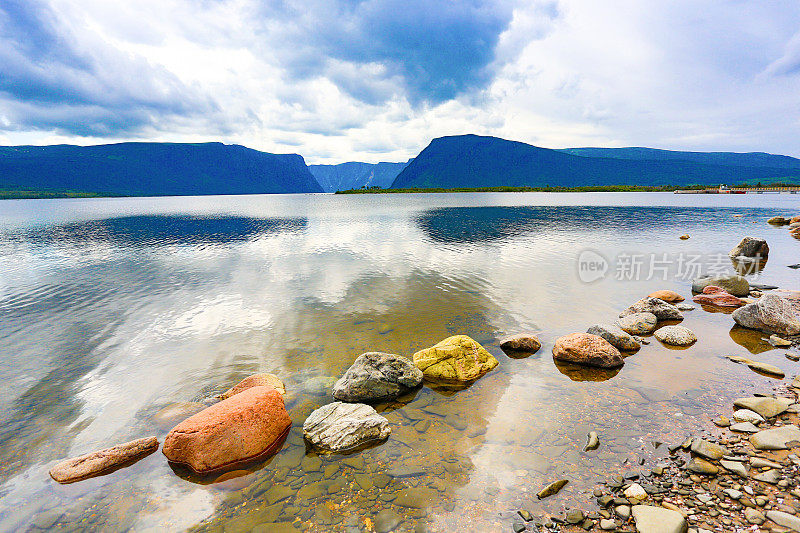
{"x": 112, "y": 310}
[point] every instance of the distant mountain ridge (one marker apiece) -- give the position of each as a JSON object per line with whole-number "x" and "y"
{"x": 747, "y": 159}
{"x": 154, "y": 169}
{"x": 479, "y": 161}
{"x": 353, "y": 175}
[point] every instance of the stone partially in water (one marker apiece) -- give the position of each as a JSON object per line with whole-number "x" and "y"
{"x": 770, "y": 313}
{"x": 717, "y": 296}
{"x": 587, "y": 349}
{"x": 638, "y": 323}
{"x": 675, "y": 335}
{"x": 247, "y": 426}
{"x": 592, "y": 442}
{"x": 734, "y": 284}
{"x": 522, "y": 342}
{"x": 651, "y": 519}
{"x": 377, "y": 376}
{"x": 552, "y": 489}
{"x": 341, "y": 427}
{"x": 256, "y": 380}
{"x": 457, "y": 359}
{"x": 635, "y": 492}
{"x": 614, "y": 335}
{"x": 763, "y": 405}
{"x": 667, "y": 295}
{"x": 103, "y": 461}
{"x": 750, "y": 247}
{"x": 663, "y": 310}
{"x": 776, "y": 439}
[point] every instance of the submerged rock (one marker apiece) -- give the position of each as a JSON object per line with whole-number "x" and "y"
{"x": 247, "y": 426}
{"x": 552, "y": 489}
{"x": 457, "y": 359}
{"x": 256, "y": 380}
{"x": 734, "y": 284}
{"x": 616, "y": 336}
{"x": 750, "y": 247}
{"x": 377, "y": 376}
{"x": 713, "y": 295}
{"x": 667, "y": 295}
{"x": 778, "y": 221}
{"x": 675, "y": 335}
{"x": 663, "y": 310}
{"x": 770, "y": 313}
{"x": 587, "y": 349}
{"x": 103, "y": 461}
{"x": 341, "y": 427}
{"x": 522, "y": 342}
{"x": 638, "y": 323}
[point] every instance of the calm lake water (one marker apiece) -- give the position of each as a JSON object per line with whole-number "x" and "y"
{"x": 112, "y": 311}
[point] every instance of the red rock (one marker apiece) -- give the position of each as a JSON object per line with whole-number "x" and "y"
{"x": 713, "y": 295}
{"x": 587, "y": 349}
{"x": 103, "y": 461}
{"x": 668, "y": 296}
{"x": 247, "y": 426}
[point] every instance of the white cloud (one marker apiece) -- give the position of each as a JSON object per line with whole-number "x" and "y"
{"x": 721, "y": 76}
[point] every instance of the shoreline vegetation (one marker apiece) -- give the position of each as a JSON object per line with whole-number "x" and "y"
{"x": 587, "y": 188}
{"x": 25, "y": 194}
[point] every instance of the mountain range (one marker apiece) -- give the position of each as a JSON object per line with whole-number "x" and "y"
{"x": 157, "y": 169}
{"x": 477, "y": 161}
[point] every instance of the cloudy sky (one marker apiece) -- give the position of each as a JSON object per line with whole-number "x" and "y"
{"x": 375, "y": 80}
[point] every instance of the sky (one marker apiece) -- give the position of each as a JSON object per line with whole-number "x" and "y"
{"x": 369, "y": 80}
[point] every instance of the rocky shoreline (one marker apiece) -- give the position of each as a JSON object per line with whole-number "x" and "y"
{"x": 740, "y": 477}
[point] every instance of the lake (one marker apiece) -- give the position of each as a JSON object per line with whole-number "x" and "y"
{"x": 116, "y": 313}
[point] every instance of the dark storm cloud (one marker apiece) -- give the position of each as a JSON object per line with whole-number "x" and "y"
{"x": 430, "y": 51}
{"x": 51, "y": 80}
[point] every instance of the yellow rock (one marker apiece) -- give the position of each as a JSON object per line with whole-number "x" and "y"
{"x": 455, "y": 359}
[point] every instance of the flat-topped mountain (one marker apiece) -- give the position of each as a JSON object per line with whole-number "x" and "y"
{"x": 477, "y": 161}
{"x": 153, "y": 169}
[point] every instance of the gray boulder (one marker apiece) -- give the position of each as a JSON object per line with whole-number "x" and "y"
{"x": 663, "y": 310}
{"x": 615, "y": 336}
{"x": 675, "y": 335}
{"x": 770, "y": 313}
{"x": 734, "y": 284}
{"x": 750, "y": 247}
{"x": 775, "y": 438}
{"x": 376, "y": 376}
{"x": 341, "y": 427}
{"x": 784, "y": 519}
{"x": 638, "y": 323}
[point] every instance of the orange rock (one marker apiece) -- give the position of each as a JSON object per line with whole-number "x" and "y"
{"x": 713, "y": 295}
{"x": 247, "y": 426}
{"x": 794, "y": 219}
{"x": 587, "y": 349}
{"x": 668, "y": 296}
{"x": 256, "y": 380}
